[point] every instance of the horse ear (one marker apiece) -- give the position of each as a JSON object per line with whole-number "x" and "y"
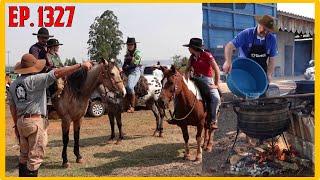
{"x": 173, "y": 69}
{"x": 163, "y": 68}
{"x": 102, "y": 60}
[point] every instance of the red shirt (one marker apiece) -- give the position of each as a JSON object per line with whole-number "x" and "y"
{"x": 202, "y": 65}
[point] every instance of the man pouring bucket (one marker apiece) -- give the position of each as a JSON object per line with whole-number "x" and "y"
{"x": 256, "y": 43}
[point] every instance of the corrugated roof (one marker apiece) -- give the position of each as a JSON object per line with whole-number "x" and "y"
{"x": 295, "y": 23}
{"x": 289, "y": 14}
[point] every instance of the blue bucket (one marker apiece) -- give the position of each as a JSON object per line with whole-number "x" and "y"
{"x": 247, "y": 79}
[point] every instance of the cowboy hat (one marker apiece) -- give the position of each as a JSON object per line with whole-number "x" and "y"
{"x": 43, "y": 32}
{"x": 131, "y": 40}
{"x": 195, "y": 43}
{"x": 29, "y": 64}
{"x": 53, "y": 42}
{"x": 267, "y": 22}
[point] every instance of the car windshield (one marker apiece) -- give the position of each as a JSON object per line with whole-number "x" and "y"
{"x": 148, "y": 70}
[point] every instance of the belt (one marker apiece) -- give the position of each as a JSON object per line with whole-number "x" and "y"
{"x": 33, "y": 116}
{"x": 200, "y": 76}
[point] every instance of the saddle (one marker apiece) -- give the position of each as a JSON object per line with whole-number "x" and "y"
{"x": 142, "y": 87}
{"x": 205, "y": 93}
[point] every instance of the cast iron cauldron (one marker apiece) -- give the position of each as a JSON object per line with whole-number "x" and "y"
{"x": 263, "y": 119}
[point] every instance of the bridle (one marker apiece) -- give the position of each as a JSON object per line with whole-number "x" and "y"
{"x": 173, "y": 115}
{"x": 107, "y": 75}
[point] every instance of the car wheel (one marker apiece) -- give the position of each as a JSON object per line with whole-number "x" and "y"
{"x": 96, "y": 109}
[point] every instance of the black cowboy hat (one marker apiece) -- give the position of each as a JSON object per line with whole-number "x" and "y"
{"x": 43, "y": 32}
{"x": 131, "y": 40}
{"x": 195, "y": 43}
{"x": 268, "y": 22}
{"x": 53, "y": 42}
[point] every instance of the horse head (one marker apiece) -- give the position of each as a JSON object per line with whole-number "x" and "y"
{"x": 172, "y": 85}
{"x": 111, "y": 77}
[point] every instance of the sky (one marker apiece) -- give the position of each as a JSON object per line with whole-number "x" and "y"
{"x": 162, "y": 29}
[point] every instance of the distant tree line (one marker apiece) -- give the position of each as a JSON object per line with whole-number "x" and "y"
{"x": 70, "y": 62}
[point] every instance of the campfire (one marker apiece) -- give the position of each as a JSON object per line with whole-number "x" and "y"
{"x": 266, "y": 120}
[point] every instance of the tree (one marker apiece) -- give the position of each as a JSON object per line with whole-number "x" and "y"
{"x": 180, "y": 62}
{"x": 105, "y": 38}
{"x": 73, "y": 61}
{"x": 67, "y": 62}
{"x": 70, "y": 62}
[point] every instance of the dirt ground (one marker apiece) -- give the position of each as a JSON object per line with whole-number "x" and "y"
{"x": 140, "y": 154}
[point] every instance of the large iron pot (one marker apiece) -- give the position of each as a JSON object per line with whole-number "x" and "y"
{"x": 263, "y": 119}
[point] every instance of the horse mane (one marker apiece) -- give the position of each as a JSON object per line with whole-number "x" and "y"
{"x": 77, "y": 79}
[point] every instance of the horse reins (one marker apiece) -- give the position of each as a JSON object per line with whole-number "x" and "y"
{"x": 103, "y": 73}
{"x": 173, "y": 114}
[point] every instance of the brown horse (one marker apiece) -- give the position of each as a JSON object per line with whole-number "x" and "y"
{"x": 73, "y": 102}
{"x": 189, "y": 110}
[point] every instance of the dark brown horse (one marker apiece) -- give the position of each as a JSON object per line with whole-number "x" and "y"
{"x": 189, "y": 108}
{"x": 73, "y": 102}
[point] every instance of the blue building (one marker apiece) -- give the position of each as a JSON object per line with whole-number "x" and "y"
{"x": 223, "y": 21}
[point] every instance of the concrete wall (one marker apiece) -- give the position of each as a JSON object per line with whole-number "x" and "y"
{"x": 284, "y": 39}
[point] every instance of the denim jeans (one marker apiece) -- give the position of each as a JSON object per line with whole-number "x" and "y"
{"x": 133, "y": 79}
{"x": 214, "y": 96}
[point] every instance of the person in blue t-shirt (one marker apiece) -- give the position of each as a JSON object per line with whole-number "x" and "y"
{"x": 257, "y": 43}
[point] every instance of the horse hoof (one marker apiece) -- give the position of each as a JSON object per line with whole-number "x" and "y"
{"x": 161, "y": 134}
{"x": 118, "y": 142}
{"x": 66, "y": 165}
{"x": 155, "y": 133}
{"x": 208, "y": 149}
{"x": 80, "y": 160}
{"x": 198, "y": 160}
{"x": 187, "y": 157}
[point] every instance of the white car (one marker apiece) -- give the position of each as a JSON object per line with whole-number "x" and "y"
{"x": 153, "y": 75}
{"x": 309, "y": 73}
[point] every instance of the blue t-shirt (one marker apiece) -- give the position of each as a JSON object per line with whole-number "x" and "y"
{"x": 243, "y": 42}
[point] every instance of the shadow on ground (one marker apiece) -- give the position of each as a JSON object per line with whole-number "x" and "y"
{"x": 144, "y": 157}
{"x": 92, "y": 141}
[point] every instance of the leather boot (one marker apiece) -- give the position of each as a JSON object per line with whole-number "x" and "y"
{"x": 132, "y": 100}
{"x": 22, "y": 170}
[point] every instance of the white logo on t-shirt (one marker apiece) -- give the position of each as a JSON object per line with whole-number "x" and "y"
{"x": 21, "y": 93}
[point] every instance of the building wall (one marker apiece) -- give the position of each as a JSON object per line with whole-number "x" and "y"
{"x": 284, "y": 39}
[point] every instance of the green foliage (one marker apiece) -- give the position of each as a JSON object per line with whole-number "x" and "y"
{"x": 70, "y": 62}
{"x": 180, "y": 62}
{"x": 105, "y": 38}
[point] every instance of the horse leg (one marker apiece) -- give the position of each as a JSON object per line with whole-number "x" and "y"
{"x": 210, "y": 140}
{"x": 160, "y": 122}
{"x": 65, "y": 138}
{"x": 119, "y": 124}
{"x": 210, "y": 135}
{"x": 155, "y": 112}
{"x": 111, "y": 120}
{"x": 206, "y": 138}
{"x": 199, "y": 140}
{"x": 76, "y": 136}
{"x": 185, "y": 134}
{"x": 161, "y": 126}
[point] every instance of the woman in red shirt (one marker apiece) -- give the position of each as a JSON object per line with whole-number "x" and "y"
{"x": 205, "y": 69}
